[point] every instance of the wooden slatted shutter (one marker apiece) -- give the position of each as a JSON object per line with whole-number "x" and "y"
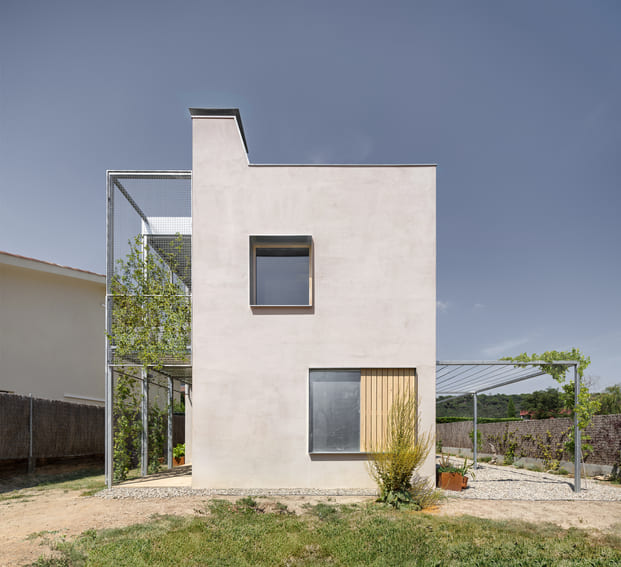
{"x": 378, "y": 388}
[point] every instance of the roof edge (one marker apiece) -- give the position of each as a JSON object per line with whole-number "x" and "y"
{"x": 18, "y": 261}
{"x": 234, "y": 112}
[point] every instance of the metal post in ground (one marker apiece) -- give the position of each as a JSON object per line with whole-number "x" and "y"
{"x": 31, "y": 460}
{"x": 475, "y": 431}
{"x": 170, "y": 422}
{"x": 577, "y": 439}
{"x": 109, "y": 445}
{"x": 145, "y": 424}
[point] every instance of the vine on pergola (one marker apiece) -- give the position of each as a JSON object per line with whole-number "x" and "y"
{"x": 587, "y": 405}
{"x": 151, "y": 325}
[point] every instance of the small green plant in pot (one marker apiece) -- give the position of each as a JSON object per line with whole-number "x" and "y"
{"x": 179, "y": 454}
{"x": 453, "y": 477}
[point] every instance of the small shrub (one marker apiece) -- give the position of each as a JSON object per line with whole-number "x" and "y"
{"x": 282, "y": 508}
{"x": 247, "y": 504}
{"x": 393, "y": 465}
{"x": 507, "y": 444}
{"x": 615, "y": 473}
{"x": 549, "y": 451}
{"x": 479, "y": 438}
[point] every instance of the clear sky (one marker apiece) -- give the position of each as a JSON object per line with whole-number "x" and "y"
{"x": 519, "y": 104}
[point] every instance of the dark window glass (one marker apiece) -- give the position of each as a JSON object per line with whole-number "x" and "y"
{"x": 334, "y": 411}
{"x": 282, "y": 276}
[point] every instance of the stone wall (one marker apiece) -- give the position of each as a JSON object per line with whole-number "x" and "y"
{"x": 605, "y": 432}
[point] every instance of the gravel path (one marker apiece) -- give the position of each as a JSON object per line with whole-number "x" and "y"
{"x": 507, "y": 483}
{"x": 173, "y": 492}
{"x": 491, "y": 483}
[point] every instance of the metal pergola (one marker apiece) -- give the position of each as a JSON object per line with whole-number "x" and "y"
{"x": 150, "y": 219}
{"x": 459, "y": 378}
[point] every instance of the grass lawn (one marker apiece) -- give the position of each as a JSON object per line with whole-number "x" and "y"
{"x": 89, "y": 480}
{"x": 248, "y": 533}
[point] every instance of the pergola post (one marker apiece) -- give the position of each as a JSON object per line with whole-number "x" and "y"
{"x": 577, "y": 439}
{"x": 145, "y": 423}
{"x": 475, "y": 431}
{"x": 170, "y": 423}
{"x": 109, "y": 375}
{"x": 108, "y": 433}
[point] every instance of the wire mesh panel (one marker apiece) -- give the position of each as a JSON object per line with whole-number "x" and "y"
{"x": 126, "y": 421}
{"x": 148, "y": 308}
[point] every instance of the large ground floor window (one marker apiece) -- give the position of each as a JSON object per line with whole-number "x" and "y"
{"x": 349, "y": 407}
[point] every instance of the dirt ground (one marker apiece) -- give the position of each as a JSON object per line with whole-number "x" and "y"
{"x": 30, "y": 523}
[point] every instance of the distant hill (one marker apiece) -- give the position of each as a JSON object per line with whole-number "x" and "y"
{"x": 488, "y": 406}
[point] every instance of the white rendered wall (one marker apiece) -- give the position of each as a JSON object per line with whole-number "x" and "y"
{"x": 374, "y": 237}
{"x": 51, "y": 335}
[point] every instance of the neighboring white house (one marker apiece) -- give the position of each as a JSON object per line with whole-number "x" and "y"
{"x": 314, "y": 302}
{"x": 51, "y": 330}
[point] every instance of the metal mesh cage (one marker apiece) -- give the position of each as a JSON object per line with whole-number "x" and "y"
{"x": 148, "y": 310}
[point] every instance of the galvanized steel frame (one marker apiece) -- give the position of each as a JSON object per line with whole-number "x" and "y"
{"x": 113, "y": 178}
{"x": 467, "y": 381}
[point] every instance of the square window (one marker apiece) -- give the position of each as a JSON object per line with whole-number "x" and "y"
{"x": 281, "y": 271}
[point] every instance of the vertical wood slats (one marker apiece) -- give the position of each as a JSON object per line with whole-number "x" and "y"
{"x": 378, "y": 388}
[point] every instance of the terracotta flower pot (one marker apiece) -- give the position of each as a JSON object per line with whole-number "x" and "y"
{"x": 179, "y": 461}
{"x": 450, "y": 481}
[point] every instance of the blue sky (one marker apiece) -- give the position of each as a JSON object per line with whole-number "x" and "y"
{"x": 517, "y": 102}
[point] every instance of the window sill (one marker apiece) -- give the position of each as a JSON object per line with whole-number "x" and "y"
{"x": 304, "y": 306}
{"x": 320, "y": 453}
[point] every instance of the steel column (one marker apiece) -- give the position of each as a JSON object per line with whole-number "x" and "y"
{"x": 144, "y": 461}
{"x": 476, "y": 431}
{"x": 577, "y": 439}
{"x": 170, "y": 423}
{"x": 109, "y": 465}
{"x": 31, "y": 460}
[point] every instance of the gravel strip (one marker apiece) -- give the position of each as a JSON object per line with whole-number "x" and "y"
{"x": 161, "y": 492}
{"x": 491, "y": 483}
{"x": 507, "y": 483}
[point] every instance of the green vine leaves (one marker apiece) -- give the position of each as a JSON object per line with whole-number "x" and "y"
{"x": 151, "y": 313}
{"x": 587, "y": 404}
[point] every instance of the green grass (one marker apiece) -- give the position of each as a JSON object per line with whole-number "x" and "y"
{"x": 89, "y": 481}
{"x": 246, "y": 533}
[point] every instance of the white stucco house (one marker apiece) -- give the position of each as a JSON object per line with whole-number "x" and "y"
{"x": 51, "y": 330}
{"x": 314, "y": 303}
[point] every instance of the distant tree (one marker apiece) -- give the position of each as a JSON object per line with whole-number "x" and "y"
{"x": 544, "y": 403}
{"x": 610, "y": 400}
{"x": 510, "y": 408}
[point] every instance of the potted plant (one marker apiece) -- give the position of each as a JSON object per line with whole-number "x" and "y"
{"x": 464, "y": 470}
{"x": 179, "y": 455}
{"x": 453, "y": 477}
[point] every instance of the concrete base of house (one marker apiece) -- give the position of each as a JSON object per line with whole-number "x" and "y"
{"x": 178, "y": 482}
{"x": 592, "y": 469}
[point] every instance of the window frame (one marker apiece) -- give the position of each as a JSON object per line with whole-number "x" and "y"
{"x": 279, "y": 241}
{"x": 311, "y": 450}
{"x": 371, "y": 378}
